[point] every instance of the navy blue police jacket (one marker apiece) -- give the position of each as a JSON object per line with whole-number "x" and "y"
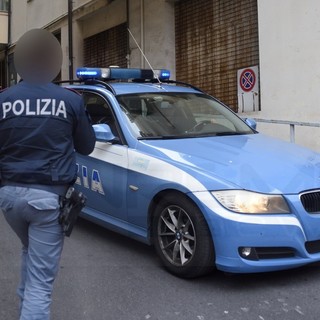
{"x": 41, "y": 128}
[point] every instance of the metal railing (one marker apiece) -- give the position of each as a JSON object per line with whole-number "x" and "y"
{"x": 292, "y": 125}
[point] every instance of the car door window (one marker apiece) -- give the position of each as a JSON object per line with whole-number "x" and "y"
{"x": 100, "y": 111}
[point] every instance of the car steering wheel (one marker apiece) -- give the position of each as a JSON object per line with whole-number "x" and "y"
{"x": 199, "y": 126}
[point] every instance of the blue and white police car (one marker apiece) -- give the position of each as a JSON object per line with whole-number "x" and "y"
{"x": 177, "y": 169}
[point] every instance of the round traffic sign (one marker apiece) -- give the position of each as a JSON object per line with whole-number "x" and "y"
{"x": 247, "y": 80}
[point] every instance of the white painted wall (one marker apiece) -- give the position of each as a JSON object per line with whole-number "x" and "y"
{"x": 151, "y": 22}
{"x": 41, "y": 13}
{"x": 289, "y": 38}
{"x": 18, "y": 19}
{"x": 100, "y": 20}
{"x": 152, "y": 25}
{"x": 3, "y": 27}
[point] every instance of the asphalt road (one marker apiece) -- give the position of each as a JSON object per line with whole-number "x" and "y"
{"x": 107, "y": 276}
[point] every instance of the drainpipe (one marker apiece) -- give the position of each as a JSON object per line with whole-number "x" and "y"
{"x": 70, "y": 39}
{"x": 142, "y": 32}
{"x": 8, "y": 45}
{"x": 128, "y": 37}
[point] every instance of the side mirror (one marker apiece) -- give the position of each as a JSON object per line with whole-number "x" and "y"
{"x": 251, "y": 123}
{"x": 103, "y": 133}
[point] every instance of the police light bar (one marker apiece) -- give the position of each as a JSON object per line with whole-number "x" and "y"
{"x": 122, "y": 74}
{"x": 92, "y": 73}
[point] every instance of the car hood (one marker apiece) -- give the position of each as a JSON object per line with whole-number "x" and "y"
{"x": 252, "y": 162}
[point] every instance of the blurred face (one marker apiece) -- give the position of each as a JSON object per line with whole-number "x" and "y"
{"x": 38, "y": 56}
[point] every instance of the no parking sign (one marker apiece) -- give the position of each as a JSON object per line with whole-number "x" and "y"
{"x": 247, "y": 79}
{"x": 248, "y": 89}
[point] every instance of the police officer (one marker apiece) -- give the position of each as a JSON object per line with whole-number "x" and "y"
{"x": 41, "y": 127}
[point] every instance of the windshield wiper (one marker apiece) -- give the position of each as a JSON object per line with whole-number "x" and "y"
{"x": 165, "y": 137}
{"x": 188, "y": 136}
{"x": 230, "y": 133}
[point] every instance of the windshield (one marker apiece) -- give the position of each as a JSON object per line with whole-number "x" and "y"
{"x": 179, "y": 115}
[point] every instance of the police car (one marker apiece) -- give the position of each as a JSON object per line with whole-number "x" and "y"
{"x": 177, "y": 169}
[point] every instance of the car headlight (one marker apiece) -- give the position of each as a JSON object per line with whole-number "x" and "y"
{"x": 242, "y": 201}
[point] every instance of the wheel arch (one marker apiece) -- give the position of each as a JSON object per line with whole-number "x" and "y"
{"x": 157, "y": 198}
{"x": 201, "y": 258}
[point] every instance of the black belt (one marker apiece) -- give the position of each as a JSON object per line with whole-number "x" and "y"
{"x": 57, "y": 189}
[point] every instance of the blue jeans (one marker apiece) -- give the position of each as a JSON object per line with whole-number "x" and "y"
{"x": 33, "y": 215}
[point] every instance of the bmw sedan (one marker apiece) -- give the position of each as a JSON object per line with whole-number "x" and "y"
{"x": 177, "y": 169}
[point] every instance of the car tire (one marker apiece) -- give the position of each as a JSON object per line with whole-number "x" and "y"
{"x": 182, "y": 238}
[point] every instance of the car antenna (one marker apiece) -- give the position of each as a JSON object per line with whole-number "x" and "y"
{"x": 144, "y": 56}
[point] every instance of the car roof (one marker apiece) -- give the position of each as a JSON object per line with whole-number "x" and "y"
{"x": 131, "y": 87}
{"x": 121, "y": 81}
{"x": 120, "y": 88}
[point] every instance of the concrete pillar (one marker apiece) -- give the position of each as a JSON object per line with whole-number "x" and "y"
{"x": 152, "y": 25}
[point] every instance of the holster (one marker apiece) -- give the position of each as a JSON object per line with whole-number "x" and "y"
{"x": 70, "y": 207}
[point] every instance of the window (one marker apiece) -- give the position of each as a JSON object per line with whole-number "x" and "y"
{"x": 107, "y": 48}
{"x": 178, "y": 115}
{"x": 100, "y": 111}
{"x": 4, "y": 5}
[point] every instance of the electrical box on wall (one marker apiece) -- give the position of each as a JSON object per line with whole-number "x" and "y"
{"x": 248, "y": 89}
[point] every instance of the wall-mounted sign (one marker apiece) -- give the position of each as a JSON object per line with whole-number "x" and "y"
{"x": 248, "y": 89}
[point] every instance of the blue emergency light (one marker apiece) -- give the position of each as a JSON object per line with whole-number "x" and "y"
{"x": 92, "y": 73}
{"x": 122, "y": 74}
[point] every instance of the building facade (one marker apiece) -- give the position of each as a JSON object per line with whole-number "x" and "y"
{"x": 4, "y": 39}
{"x": 259, "y": 57}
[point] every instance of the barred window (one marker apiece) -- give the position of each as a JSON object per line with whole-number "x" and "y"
{"x": 215, "y": 38}
{"x": 107, "y": 48}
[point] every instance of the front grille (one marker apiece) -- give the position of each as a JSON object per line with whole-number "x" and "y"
{"x": 313, "y": 246}
{"x": 311, "y": 201}
{"x": 274, "y": 252}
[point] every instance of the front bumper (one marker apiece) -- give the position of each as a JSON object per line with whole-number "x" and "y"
{"x": 277, "y": 247}
{"x": 277, "y": 242}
